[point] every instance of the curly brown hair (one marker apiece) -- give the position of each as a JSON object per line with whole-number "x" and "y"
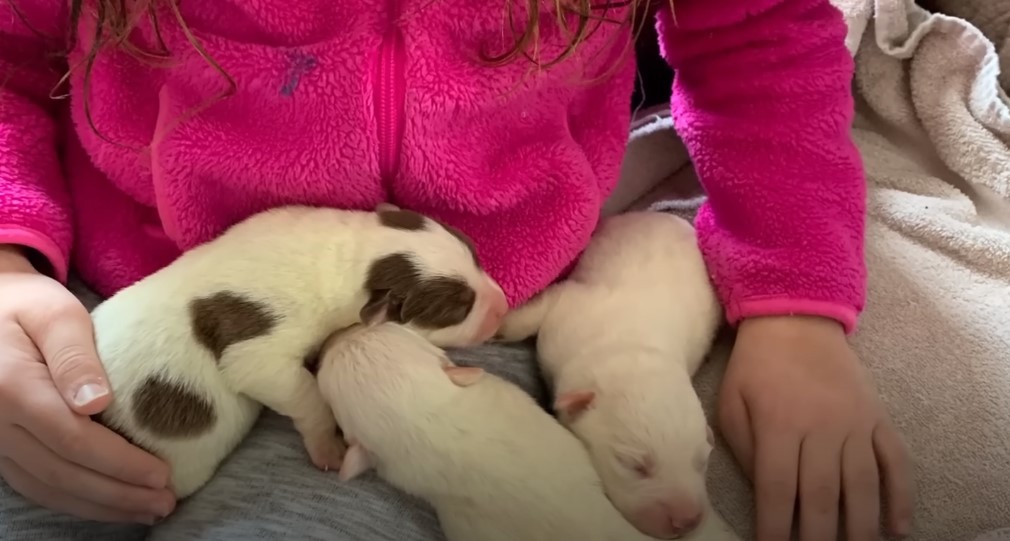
{"x": 115, "y": 21}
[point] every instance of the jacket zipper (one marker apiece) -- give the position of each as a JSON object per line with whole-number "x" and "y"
{"x": 390, "y": 87}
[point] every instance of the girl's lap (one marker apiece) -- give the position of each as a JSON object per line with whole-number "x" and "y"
{"x": 23, "y": 520}
{"x": 934, "y": 356}
{"x": 268, "y": 489}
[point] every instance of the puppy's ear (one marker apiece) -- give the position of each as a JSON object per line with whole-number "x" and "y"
{"x": 356, "y": 462}
{"x": 571, "y": 404}
{"x": 438, "y": 302}
{"x": 464, "y": 376}
{"x": 380, "y": 308}
{"x": 386, "y": 207}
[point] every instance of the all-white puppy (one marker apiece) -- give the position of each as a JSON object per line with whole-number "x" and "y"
{"x": 195, "y": 349}
{"x": 619, "y": 342}
{"x": 495, "y": 466}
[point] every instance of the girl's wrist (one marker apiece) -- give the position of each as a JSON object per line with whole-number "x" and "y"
{"x": 791, "y": 325}
{"x": 13, "y": 258}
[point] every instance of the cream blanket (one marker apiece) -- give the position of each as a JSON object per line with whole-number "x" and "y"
{"x": 933, "y": 126}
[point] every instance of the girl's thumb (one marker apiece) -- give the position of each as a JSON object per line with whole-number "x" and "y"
{"x": 68, "y": 347}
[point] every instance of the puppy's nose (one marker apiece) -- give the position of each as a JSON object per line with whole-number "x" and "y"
{"x": 499, "y": 305}
{"x": 684, "y": 519}
{"x": 491, "y": 319}
{"x": 496, "y": 313}
{"x": 668, "y": 519}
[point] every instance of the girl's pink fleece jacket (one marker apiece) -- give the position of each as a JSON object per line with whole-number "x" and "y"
{"x": 347, "y": 103}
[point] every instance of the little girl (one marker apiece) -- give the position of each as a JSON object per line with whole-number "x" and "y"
{"x": 505, "y": 118}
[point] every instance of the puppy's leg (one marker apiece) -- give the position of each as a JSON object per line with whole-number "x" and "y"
{"x": 271, "y": 376}
{"x": 525, "y": 321}
{"x": 464, "y": 376}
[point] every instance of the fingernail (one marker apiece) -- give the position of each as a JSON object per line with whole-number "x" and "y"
{"x": 88, "y": 393}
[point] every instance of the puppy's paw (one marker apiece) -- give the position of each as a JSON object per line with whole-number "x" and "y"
{"x": 326, "y": 452}
{"x": 510, "y": 333}
{"x": 499, "y": 338}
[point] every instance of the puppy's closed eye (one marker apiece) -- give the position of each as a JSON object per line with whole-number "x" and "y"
{"x": 641, "y": 465}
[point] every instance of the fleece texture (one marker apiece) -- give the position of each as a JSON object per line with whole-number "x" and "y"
{"x": 348, "y": 104}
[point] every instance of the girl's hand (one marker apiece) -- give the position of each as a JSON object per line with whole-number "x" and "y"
{"x": 806, "y": 424}
{"x": 51, "y": 452}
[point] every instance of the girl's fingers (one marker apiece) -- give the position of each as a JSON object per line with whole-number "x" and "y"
{"x": 89, "y": 444}
{"x": 776, "y": 462}
{"x": 81, "y": 483}
{"x": 734, "y": 424}
{"x": 895, "y": 465}
{"x": 41, "y": 494}
{"x": 861, "y": 490}
{"x": 820, "y": 483}
{"x": 66, "y": 340}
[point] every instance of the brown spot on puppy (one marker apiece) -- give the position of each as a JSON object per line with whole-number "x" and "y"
{"x": 409, "y": 220}
{"x": 226, "y": 318}
{"x": 439, "y": 302}
{"x": 395, "y": 285}
{"x": 170, "y": 410}
{"x": 402, "y": 219}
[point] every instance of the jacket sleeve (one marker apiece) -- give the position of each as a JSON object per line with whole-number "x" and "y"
{"x": 34, "y": 204}
{"x": 762, "y": 98}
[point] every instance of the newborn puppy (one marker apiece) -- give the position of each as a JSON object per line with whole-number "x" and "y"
{"x": 194, "y": 350}
{"x": 495, "y": 466}
{"x": 619, "y": 342}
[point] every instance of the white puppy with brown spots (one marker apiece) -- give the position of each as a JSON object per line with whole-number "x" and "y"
{"x": 619, "y": 342}
{"x": 194, "y": 350}
{"x": 492, "y": 462}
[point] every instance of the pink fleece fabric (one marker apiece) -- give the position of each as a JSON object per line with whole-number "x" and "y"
{"x": 347, "y": 104}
